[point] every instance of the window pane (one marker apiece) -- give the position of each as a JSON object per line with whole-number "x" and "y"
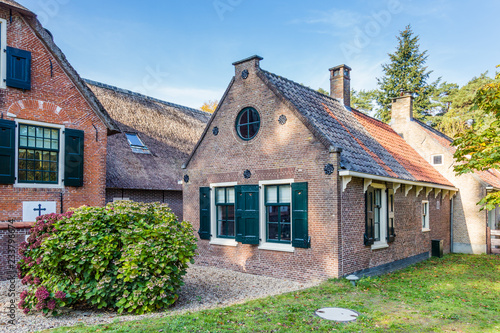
{"x": 23, "y": 141}
{"x": 31, "y": 142}
{"x": 230, "y": 228}
{"x": 286, "y": 232}
{"x": 31, "y": 176}
{"x": 272, "y": 231}
{"x": 46, "y": 156}
{"x": 253, "y": 116}
{"x": 22, "y": 164}
{"x": 46, "y": 177}
{"x": 53, "y": 177}
{"x": 243, "y": 131}
{"x": 230, "y": 195}
{"x": 254, "y": 128}
{"x": 39, "y": 132}
{"x": 22, "y": 153}
{"x": 39, "y": 143}
{"x": 46, "y": 144}
{"x": 221, "y": 195}
{"x": 30, "y": 165}
{"x": 53, "y": 156}
{"x": 46, "y": 133}
{"x": 22, "y": 175}
{"x": 285, "y": 214}
{"x": 55, "y": 134}
{"x": 31, "y": 131}
{"x": 285, "y": 192}
{"x": 273, "y": 214}
{"x": 391, "y": 198}
{"x": 53, "y": 166}
{"x": 272, "y": 194}
{"x": 45, "y": 166}
{"x": 31, "y": 154}
{"x": 134, "y": 140}
{"x": 244, "y": 118}
{"x": 23, "y": 130}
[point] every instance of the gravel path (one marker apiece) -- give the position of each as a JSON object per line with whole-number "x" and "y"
{"x": 205, "y": 288}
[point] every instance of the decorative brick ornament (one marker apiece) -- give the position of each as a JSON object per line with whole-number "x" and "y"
{"x": 244, "y": 74}
{"x": 247, "y": 174}
{"x": 186, "y": 179}
{"x": 215, "y": 131}
{"x": 329, "y": 169}
{"x": 282, "y": 119}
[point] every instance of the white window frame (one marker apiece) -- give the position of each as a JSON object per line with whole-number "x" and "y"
{"x": 264, "y": 245}
{"x": 121, "y": 199}
{"x": 213, "y": 217}
{"x": 3, "y": 53}
{"x": 61, "y": 128}
{"x": 434, "y": 155}
{"x": 426, "y": 223}
{"x": 382, "y": 243}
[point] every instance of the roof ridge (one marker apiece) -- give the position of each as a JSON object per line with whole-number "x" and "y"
{"x": 304, "y": 86}
{"x": 430, "y": 128}
{"x": 370, "y": 117}
{"x": 136, "y": 94}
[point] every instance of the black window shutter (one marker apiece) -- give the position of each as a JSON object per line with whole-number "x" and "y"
{"x": 18, "y": 68}
{"x": 204, "y": 230}
{"x": 300, "y": 233}
{"x": 391, "y": 235}
{"x": 73, "y": 158}
{"x": 7, "y": 151}
{"x": 369, "y": 238}
{"x": 247, "y": 213}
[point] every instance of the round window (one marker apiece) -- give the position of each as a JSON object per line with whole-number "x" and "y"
{"x": 248, "y": 123}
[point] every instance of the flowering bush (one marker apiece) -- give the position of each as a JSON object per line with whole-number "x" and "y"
{"x": 127, "y": 256}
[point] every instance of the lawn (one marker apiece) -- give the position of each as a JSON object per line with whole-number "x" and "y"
{"x": 458, "y": 293}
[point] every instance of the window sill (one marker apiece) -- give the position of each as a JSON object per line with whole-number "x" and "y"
{"x": 380, "y": 246}
{"x": 21, "y": 185}
{"x": 277, "y": 247}
{"x": 223, "y": 242}
{"x": 426, "y": 230}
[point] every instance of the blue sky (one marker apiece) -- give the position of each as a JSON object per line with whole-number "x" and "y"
{"x": 182, "y": 51}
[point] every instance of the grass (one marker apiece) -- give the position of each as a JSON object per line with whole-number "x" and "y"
{"x": 458, "y": 293}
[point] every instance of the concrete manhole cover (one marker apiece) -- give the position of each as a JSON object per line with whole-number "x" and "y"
{"x": 337, "y": 314}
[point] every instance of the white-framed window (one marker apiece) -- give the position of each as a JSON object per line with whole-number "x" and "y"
{"x": 276, "y": 215}
{"x": 425, "y": 216}
{"x": 136, "y": 144}
{"x": 222, "y": 211}
{"x": 377, "y": 200}
{"x": 39, "y": 155}
{"x": 3, "y": 52}
{"x": 437, "y": 159}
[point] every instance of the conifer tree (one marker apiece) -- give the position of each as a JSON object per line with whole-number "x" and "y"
{"x": 406, "y": 72}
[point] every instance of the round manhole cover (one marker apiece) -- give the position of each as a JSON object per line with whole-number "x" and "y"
{"x": 337, "y": 314}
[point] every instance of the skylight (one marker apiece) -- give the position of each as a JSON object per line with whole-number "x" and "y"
{"x": 136, "y": 144}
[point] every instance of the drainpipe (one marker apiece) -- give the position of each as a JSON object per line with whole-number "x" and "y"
{"x": 451, "y": 224}
{"x": 61, "y": 198}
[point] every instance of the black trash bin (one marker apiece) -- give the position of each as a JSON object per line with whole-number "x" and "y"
{"x": 437, "y": 248}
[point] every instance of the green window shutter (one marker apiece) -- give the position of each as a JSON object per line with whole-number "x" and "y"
{"x": 7, "y": 151}
{"x": 300, "y": 233}
{"x": 391, "y": 235}
{"x": 247, "y": 213}
{"x": 369, "y": 238}
{"x": 18, "y": 68}
{"x": 204, "y": 230}
{"x": 73, "y": 157}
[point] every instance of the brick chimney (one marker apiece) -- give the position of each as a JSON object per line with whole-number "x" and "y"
{"x": 247, "y": 67}
{"x": 402, "y": 108}
{"x": 340, "y": 84}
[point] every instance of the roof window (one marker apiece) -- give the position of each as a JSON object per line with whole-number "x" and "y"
{"x": 136, "y": 144}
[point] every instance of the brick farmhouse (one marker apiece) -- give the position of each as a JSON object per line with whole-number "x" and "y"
{"x": 291, "y": 183}
{"x": 53, "y": 130}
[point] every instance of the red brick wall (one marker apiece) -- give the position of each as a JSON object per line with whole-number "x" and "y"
{"x": 16, "y": 233}
{"x": 172, "y": 198}
{"x": 277, "y": 152}
{"x": 53, "y": 100}
{"x": 410, "y": 240}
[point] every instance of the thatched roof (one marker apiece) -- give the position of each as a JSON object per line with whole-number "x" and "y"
{"x": 46, "y": 38}
{"x": 170, "y": 131}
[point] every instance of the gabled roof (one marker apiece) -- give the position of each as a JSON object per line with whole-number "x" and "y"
{"x": 490, "y": 177}
{"x": 168, "y": 130}
{"x": 48, "y": 41}
{"x": 368, "y": 146}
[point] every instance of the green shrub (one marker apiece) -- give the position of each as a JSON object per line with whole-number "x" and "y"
{"x": 127, "y": 256}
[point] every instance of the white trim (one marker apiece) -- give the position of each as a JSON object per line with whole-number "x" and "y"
{"x": 436, "y": 192}
{"x": 419, "y": 189}
{"x": 277, "y": 247}
{"x": 442, "y": 159}
{"x": 384, "y": 211}
{"x": 3, "y": 53}
{"x": 213, "y": 217}
{"x": 367, "y": 182}
{"x": 264, "y": 245}
{"x": 427, "y": 191}
{"x": 426, "y": 230}
{"x": 60, "y": 177}
{"x": 395, "y": 180}
{"x": 407, "y": 189}
{"x": 378, "y": 246}
{"x": 396, "y": 186}
{"x": 426, "y": 227}
{"x": 345, "y": 180}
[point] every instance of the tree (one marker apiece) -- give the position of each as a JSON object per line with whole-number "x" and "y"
{"x": 210, "y": 106}
{"x": 323, "y": 91}
{"x": 478, "y": 148}
{"x": 457, "y": 107}
{"x": 363, "y": 100}
{"x": 406, "y": 72}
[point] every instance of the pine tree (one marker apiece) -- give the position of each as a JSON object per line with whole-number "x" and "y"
{"x": 406, "y": 72}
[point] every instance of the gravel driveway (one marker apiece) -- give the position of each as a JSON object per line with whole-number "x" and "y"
{"x": 205, "y": 287}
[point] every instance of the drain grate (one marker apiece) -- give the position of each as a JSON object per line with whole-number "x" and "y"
{"x": 337, "y": 314}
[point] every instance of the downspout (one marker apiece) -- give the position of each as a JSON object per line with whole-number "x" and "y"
{"x": 61, "y": 198}
{"x": 451, "y": 224}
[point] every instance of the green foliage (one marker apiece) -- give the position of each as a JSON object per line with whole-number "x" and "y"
{"x": 478, "y": 148}
{"x": 363, "y": 100}
{"x": 127, "y": 256}
{"x": 323, "y": 91}
{"x": 458, "y": 293}
{"x": 406, "y": 72}
{"x": 457, "y": 106}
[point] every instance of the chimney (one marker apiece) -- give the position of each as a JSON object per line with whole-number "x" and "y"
{"x": 402, "y": 109}
{"x": 340, "y": 84}
{"x": 247, "y": 67}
